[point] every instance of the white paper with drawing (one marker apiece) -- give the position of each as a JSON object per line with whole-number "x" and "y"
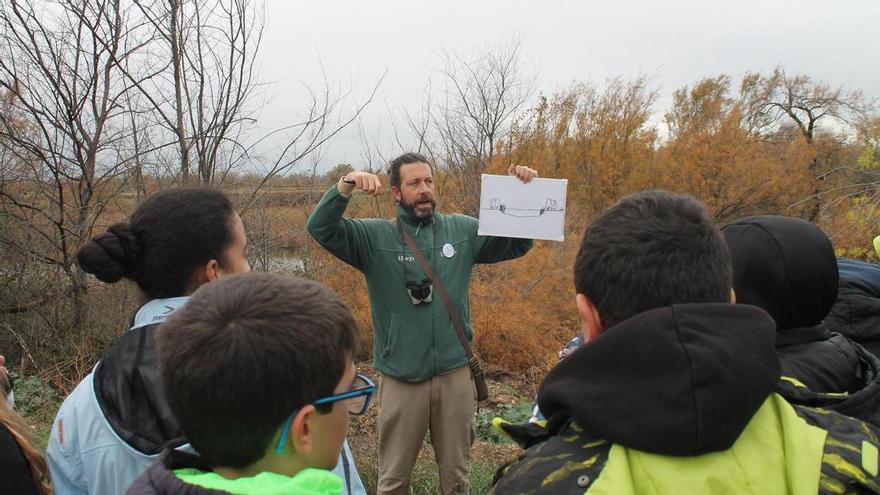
{"x": 510, "y": 208}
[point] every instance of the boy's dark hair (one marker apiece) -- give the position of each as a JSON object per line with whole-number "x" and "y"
{"x": 404, "y": 159}
{"x": 244, "y": 353}
{"x": 652, "y": 249}
{"x": 169, "y": 235}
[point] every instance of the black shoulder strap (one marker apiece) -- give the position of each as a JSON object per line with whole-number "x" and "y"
{"x": 476, "y": 369}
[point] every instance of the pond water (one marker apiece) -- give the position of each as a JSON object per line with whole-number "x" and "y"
{"x": 285, "y": 261}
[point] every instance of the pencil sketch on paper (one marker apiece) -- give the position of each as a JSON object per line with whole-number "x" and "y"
{"x": 549, "y": 205}
{"x": 511, "y": 208}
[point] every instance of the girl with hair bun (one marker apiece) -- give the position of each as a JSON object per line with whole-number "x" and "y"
{"x": 116, "y": 421}
{"x": 175, "y": 241}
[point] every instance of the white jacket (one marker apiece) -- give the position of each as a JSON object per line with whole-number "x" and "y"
{"x": 87, "y": 456}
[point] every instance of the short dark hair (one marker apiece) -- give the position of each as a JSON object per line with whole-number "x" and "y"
{"x": 244, "y": 352}
{"x": 404, "y": 159}
{"x": 652, "y": 249}
{"x": 168, "y": 236}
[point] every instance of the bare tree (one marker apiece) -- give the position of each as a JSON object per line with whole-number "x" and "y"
{"x": 205, "y": 50}
{"x": 481, "y": 95}
{"x": 97, "y": 95}
{"x": 65, "y": 125}
{"x": 772, "y": 101}
{"x": 325, "y": 118}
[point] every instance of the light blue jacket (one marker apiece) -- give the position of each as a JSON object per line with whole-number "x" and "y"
{"x": 86, "y": 456}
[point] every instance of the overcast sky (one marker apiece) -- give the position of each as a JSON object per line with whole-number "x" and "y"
{"x": 677, "y": 42}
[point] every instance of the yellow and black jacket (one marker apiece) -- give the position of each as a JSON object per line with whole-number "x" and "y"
{"x": 681, "y": 400}
{"x": 863, "y": 404}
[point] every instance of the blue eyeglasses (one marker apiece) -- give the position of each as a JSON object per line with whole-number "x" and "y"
{"x": 359, "y": 400}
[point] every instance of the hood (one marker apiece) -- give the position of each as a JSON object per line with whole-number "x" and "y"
{"x": 681, "y": 380}
{"x": 785, "y": 266}
{"x": 128, "y": 386}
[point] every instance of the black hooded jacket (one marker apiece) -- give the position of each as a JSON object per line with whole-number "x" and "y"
{"x": 682, "y": 380}
{"x": 671, "y": 391}
{"x": 677, "y": 381}
{"x": 856, "y": 313}
{"x": 787, "y": 267}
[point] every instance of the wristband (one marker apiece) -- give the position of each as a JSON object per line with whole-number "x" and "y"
{"x": 347, "y": 181}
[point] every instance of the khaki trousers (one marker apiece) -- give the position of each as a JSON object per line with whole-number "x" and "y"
{"x": 444, "y": 405}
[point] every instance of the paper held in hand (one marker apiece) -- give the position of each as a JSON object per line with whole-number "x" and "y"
{"x": 510, "y": 208}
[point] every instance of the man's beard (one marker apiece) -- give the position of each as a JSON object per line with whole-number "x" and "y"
{"x": 419, "y": 213}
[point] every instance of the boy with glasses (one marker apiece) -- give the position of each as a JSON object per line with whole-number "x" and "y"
{"x": 259, "y": 371}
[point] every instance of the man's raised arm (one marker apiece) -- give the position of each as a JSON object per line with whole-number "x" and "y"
{"x": 345, "y": 238}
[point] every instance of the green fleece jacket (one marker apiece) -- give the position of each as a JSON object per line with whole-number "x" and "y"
{"x": 411, "y": 342}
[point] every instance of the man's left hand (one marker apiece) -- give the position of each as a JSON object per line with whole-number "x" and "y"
{"x": 522, "y": 172}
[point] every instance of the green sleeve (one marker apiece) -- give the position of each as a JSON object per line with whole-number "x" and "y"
{"x": 347, "y": 239}
{"x": 491, "y": 249}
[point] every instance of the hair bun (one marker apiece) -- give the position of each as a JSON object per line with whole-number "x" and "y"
{"x": 111, "y": 255}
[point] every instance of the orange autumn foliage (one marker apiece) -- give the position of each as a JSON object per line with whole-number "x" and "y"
{"x": 604, "y": 141}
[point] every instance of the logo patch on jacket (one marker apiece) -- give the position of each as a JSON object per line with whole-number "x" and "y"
{"x": 448, "y": 250}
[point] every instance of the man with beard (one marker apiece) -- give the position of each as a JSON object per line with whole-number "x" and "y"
{"x": 426, "y": 382}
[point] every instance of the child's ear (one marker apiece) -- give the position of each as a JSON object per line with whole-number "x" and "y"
{"x": 590, "y": 318}
{"x": 301, "y": 437}
{"x": 212, "y": 271}
{"x": 208, "y": 272}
